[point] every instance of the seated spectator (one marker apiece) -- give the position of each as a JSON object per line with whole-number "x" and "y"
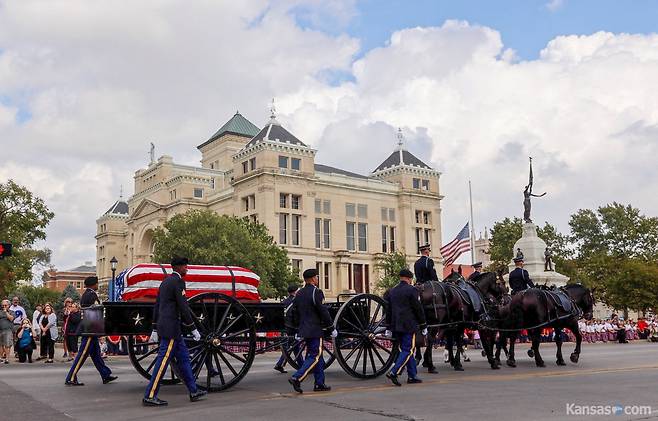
{"x": 26, "y": 343}
{"x": 6, "y": 332}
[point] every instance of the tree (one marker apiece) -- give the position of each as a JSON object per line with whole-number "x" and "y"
{"x": 617, "y": 252}
{"x": 23, "y": 221}
{"x": 389, "y": 265}
{"x": 506, "y": 232}
{"x": 69, "y": 292}
{"x": 33, "y": 295}
{"x": 208, "y": 238}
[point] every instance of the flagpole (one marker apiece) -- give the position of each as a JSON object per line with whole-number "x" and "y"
{"x": 472, "y": 235}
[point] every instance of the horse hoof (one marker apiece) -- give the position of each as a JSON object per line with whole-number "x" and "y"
{"x": 459, "y": 368}
{"x": 540, "y": 364}
{"x": 531, "y": 353}
{"x": 574, "y": 358}
{"x": 560, "y": 362}
{"x": 511, "y": 363}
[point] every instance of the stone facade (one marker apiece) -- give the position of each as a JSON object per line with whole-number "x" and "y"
{"x": 325, "y": 217}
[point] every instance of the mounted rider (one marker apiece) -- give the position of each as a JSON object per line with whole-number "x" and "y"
{"x": 424, "y": 266}
{"x": 519, "y": 278}
{"x": 477, "y": 271}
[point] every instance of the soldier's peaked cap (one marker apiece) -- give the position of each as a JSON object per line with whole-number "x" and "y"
{"x": 179, "y": 261}
{"x": 91, "y": 281}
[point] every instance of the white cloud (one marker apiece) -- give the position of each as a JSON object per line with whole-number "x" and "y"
{"x": 102, "y": 81}
{"x": 554, "y": 5}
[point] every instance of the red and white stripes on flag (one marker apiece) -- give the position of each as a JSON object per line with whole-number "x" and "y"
{"x": 142, "y": 281}
{"x": 456, "y": 247}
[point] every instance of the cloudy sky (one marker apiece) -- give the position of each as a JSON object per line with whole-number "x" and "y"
{"x": 476, "y": 86}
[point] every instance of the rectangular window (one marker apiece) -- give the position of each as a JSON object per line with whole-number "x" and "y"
{"x": 384, "y": 214}
{"x": 318, "y": 233}
{"x": 296, "y": 221}
{"x": 327, "y": 234}
{"x": 296, "y": 201}
{"x": 384, "y": 239}
{"x": 362, "y": 211}
{"x": 428, "y": 236}
{"x": 391, "y": 239}
{"x": 427, "y": 217}
{"x": 212, "y": 165}
{"x": 283, "y": 161}
{"x": 252, "y": 163}
{"x": 318, "y": 268}
{"x": 426, "y": 184}
{"x": 350, "y": 235}
{"x": 295, "y": 164}
{"x": 283, "y": 228}
{"x": 253, "y": 218}
{"x": 391, "y": 215}
{"x": 419, "y": 237}
{"x": 326, "y": 207}
{"x": 198, "y": 193}
{"x": 245, "y": 167}
{"x": 327, "y": 272}
{"x": 363, "y": 237}
{"x": 419, "y": 216}
{"x": 283, "y": 200}
{"x": 297, "y": 266}
{"x": 350, "y": 210}
{"x": 318, "y": 206}
{"x": 245, "y": 204}
{"x": 252, "y": 202}
{"x": 416, "y": 183}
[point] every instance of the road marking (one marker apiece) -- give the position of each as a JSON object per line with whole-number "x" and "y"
{"x": 466, "y": 379}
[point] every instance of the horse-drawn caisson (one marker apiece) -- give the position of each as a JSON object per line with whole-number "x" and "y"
{"x": 235, "y": 325}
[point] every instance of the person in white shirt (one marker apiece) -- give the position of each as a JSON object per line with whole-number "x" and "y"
{"x": 19, "y": 313}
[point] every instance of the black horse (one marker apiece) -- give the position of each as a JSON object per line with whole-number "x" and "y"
{"x": 448, "y": 314}
{"x": 533, "y": 309}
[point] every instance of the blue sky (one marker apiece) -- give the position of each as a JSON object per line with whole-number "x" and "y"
{"x": 525, "y": 25}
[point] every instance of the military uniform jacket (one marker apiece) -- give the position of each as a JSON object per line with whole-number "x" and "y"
{"x": 404, "y": 314}
{"x": 309, "y": 312}
{"x": 89, "y": 298}
{"x": 291, "y": 327}
{"x": 171, "y": 309}
{"x": 519, "y": 279}
{"x": 424, "y": 270}
{"x": 474, "y": 275}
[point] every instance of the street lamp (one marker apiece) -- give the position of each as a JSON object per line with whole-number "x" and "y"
{"x": 110, "y": 289}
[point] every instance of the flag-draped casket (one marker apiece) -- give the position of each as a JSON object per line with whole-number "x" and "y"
{"x": 141, "y": 282}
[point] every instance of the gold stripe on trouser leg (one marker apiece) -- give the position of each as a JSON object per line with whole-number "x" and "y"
{"x": 163, "y": 364}
{"x": 411, "y": 352}
{"x": 310, "y": 368}
{"x": 81, "y": 358}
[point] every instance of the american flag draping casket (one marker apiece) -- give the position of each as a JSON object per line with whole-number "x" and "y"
{"x": 141, "y": 282}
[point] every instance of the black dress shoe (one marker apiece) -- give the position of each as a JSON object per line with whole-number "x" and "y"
{"x": 414, "y": 380}
{"x": 108, "y": 379}
{"x": 197, "y": 395}
{"x": 321, "y": 388}
{"x": 394, "y": 379}
{"x": 296, "y": 384}
{"x": 154, "y": 402}
{"x": 432, "y": 370}
{"x": 280, "y": 369}
{"x": 74, "y": 383}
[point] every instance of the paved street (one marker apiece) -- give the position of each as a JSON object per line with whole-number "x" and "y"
{"x": 608, "y": 374}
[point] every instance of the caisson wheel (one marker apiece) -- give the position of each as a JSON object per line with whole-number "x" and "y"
{"x": 228, "y": 341}
{"x": 361, "y": 348}
{"x": 295, "y": 350}
{"x": 142, "y": 355}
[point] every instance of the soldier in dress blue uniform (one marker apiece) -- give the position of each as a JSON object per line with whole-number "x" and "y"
{"x": 170, "y": 311}
{"x": 89, "y": 345}
{"x": 287, "y": 304}
{"x": 477, "y": 271}
{"x": 313, "y": 320}
{"x": 424, "y": 267}
{"x": 404, "y": 317}
{"x": 519, "y": 278}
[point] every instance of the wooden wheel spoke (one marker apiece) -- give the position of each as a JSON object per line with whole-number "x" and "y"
{"x": 200, "y": 363}
{"x": 151, "y": 352}
{"x": 374, "y": 316}
{"x": 379, "y": 356}
{"x": 345, "y": 345}
{"x": 214, "y": 311}
{"x": 382, "y": 347}
{"x": 230, "y": 325}
{"x": 219, "y": 368}
{"x": 358, "y": 358}
{"x": 352, "y": 352}
{"x": 372, "y": 360}
{"x": 228, "y": 364}
{"x": 233, "y": 335}
{"x": 220, "y": 325}
{"x": 234, "y": 355}
{"x": 150, "y": 367}
{"x": 361, "y": 327}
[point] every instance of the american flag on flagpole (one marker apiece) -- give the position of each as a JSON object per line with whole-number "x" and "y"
{"x": 454, "y": 249}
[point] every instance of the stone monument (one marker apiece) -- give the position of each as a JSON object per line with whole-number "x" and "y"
{"x": 534, "y": 249}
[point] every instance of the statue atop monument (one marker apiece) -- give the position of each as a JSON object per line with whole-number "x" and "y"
{"x": 527, "y": 193}
{"x": 548, "y": 260}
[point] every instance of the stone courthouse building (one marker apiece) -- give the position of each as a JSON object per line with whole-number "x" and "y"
{"x": 325, "y": 217}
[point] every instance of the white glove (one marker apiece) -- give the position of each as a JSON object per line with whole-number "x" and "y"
{"x": 424, "y": 332}
{"x": 297, "y": 337}
{"x": 388, "y": 333}
{"x": 196, "y": 335}
{"x": 154, "y": 336}
{"x": 334, "y": 333}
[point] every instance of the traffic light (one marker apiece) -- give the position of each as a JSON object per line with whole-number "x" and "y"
{"x": 5, "y": 250}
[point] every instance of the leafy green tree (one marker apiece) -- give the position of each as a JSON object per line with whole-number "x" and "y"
{"x": 69, "y": 292}
{"x": 389, "y": 266}
{"x": 506, "y": 232}
{"x": 31, "y": 295}
{"x": 617, "y": 252}
{"x": 23, "y": 221}
{"x": 208, "y": 238}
